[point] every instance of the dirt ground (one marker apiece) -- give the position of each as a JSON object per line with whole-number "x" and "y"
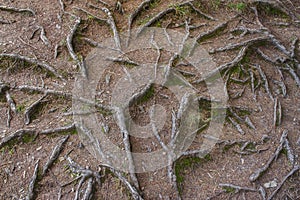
{"x": 254, "y": 45}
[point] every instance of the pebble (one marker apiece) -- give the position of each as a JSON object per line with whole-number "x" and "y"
{"x": 270, "y": 184}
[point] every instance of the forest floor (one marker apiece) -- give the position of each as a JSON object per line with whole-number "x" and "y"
{"x": 46, "y": 46}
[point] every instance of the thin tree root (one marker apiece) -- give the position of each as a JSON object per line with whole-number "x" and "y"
{"x": 199, "y": 12}
{"x": 42, "y": 64}
{"x": 19, "y": 10}
{"x": 44, "y": 37}
{"x": 254, "y": 176}
{"x": 44, "y": 91}
{"x": 236, "y": 125}
{"x": 265, "y": 80}
{"x": 237, "y": 188}
{"x": 11, "y": 102}
{"x": 132, "y": 189}
{"x": 33, "y": 182}
{"x": 293, "y": 171}
{"x": 211, "y": 32}
{"x": 90, "y": 14}
{"x": 238, "y": 45}
{"x": 54, "y": 155}
{"x": 9, "y": 117}
{"x": 80, "y": 62}
{"x": 127, "y": 145}
{"x": 68, "y": 128}
{"x": 228, "y": 65}
{"x": 111, "y": 22}
{"x": 18, "y": 134}
{"x": 31, "y": 109}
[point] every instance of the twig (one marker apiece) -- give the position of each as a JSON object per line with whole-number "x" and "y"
{"x": 20, "y": 10}
{"x": 103, "y": 2}
{"x": 33, "y": 182}
{"x": 43, "y": 64}
{"x": 254, "y": 176}
{"x": 293, "y": 171}
{"x": 31, "y": 109}
{"x": 55, "y": 153}
{"x": 11, "y": 102}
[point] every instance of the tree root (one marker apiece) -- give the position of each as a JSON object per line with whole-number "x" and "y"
{"x": 85, "y": 175}
{"x": 211, "y": 32}
{"x": 265, "y": 80}
{"x": 31, "y": 109}
{"x": 44, "y": 37}
{"x": 293, "y": 171}
{"x": 11, "y": 102}
{"x": 134, "y": 192}
{"x": 54, "y": 155}
{"x": 19, "y": 10}
{"x": 199, "y": 12}
{"x": 237, "y": 188}
{"x": 236, "y": 125}
{"x": 254, "y": 176}
{"x": 80, "y": 62}
{"x": 68, "y": 128}
{"x": 90, "y": 14}
{"x": 42, "y": 64}
{"x": 228, "y": 65}
{"x": 33, "y": 182}
{"x": 111, "y": 22}
{"x": 18, "y": 134}
{"x": 44, "y": 91}
{"x": 126, "y": 142}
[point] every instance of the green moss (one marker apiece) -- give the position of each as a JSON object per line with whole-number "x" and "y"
{"x": 20, "y": 108}
{"x": 187, "y": 162}
{"x": 148, "y": 95}
{"x": 27, "y": 138}
{"x": 237, "y": 6}
{"x": 229, "y": 189}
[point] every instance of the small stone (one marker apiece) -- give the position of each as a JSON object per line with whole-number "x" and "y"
{"x": 270, "y": 184}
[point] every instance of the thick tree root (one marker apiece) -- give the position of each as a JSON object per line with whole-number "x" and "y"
{"x": 237, "y": 188}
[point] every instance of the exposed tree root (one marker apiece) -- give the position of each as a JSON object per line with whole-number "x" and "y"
{"x": 236, "y": 125}
{"x": 44, "y": 37}
{"x": 293, "y": 171}
{"x": 43, "y": 91}
{"x": 54, "y": 155}
{"x": 254, "y": 176}
{"x": 79, "y": 61}
{"x": 211, "y": 32}
{"x": 111, "y": 22}
{"x": 265, "y": 80}
{"x": 237, "y": 188}
{"x": 127, "y": 145}
{"x": 31, "y": 109}
{"x": 68, "y": 128}
{"x": 11, "y": 102}
{"x": 33, "y": 182}
{"x": 134, "y": 192}
{"x": 199, "y": 12}
{"x": 19, "y": 10}
{"x": 42, "y": 64}
{"x": 15, "y": 135}
{"x": 86, "y": 174}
